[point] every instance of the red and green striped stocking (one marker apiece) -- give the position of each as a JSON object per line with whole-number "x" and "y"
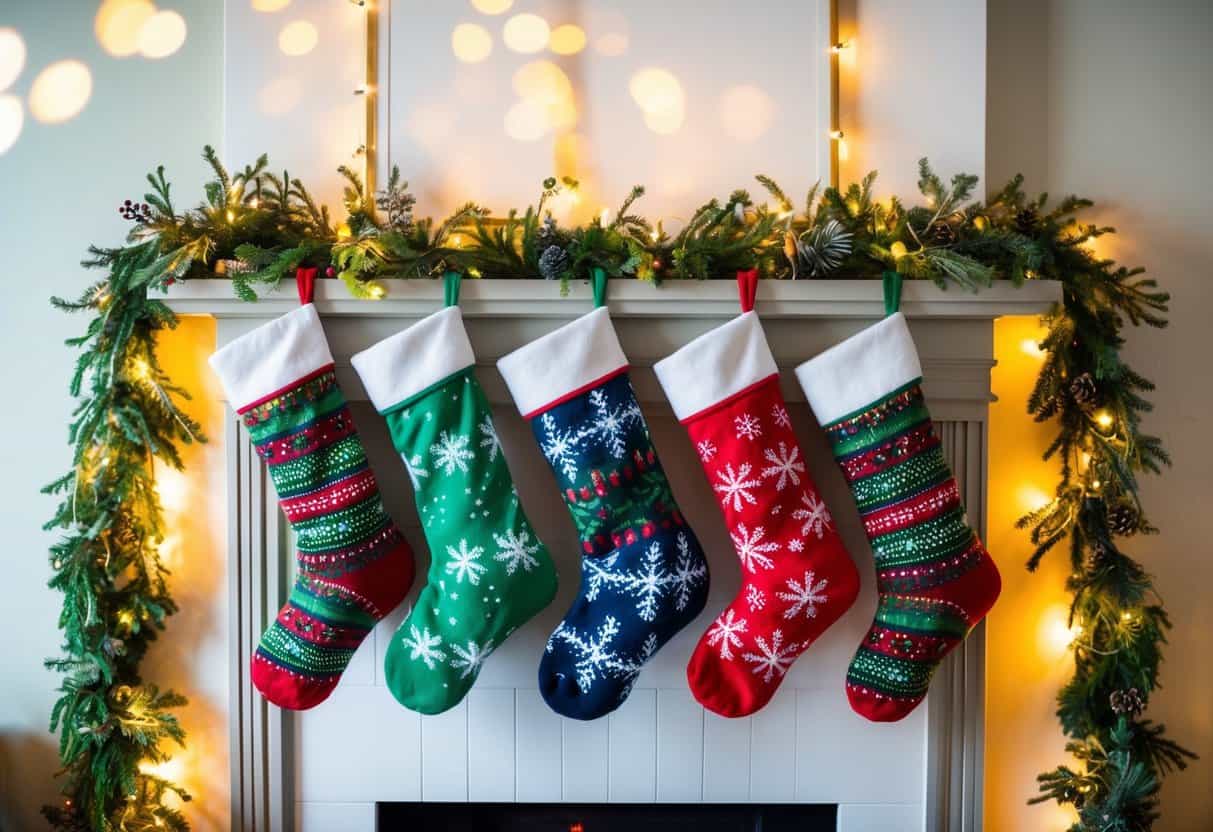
{"x": 934, "y": 578}
{"x": 354, "y": 566}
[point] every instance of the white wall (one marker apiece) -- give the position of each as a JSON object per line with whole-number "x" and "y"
{"x": 59, "y": 191}
{"x": 1108, "y": 99}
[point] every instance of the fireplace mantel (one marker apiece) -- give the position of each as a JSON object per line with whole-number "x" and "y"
{"x": 326, "y": 769}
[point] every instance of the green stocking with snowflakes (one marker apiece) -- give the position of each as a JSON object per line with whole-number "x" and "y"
{"x": 489, "y": 573}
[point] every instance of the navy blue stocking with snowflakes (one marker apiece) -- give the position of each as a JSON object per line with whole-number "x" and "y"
{"x": 643, "y": 575}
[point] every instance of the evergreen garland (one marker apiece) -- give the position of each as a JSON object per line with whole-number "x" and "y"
{"x": 256, "y": 228}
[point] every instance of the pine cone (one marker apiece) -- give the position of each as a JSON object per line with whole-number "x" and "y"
{"x": 553, "y": 262}
{"x": 1128, "y": 702}
{"x": 943, "y": 234}
{"x": 1084, "y": 391}
{"x": 1027, "y": 220}
{"x": 1123, "y": 519}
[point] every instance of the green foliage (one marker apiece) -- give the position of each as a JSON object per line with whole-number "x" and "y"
{"x": 112, "y": 723}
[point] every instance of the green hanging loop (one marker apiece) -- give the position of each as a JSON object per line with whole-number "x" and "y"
{"x": 892, "y": 292}
{"x": 598, "y": 280}
{"x": 450, "y": 288}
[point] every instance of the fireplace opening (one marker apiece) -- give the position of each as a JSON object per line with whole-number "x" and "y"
{"x": 611, "y": 817}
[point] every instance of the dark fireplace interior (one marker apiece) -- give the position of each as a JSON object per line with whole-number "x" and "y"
{"x": 620, "y": 817}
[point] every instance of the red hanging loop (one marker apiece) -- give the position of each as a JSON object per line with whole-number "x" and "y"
{"x": 305, "y": 282}
{"x": 747, "y": 288}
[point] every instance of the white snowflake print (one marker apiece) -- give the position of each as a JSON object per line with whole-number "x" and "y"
{"x": 780, "y": 414}
{"x": 772, "y": 659}
{"x": 786, "y": 465}
{"x": 755, "y": 597}
{"x": 468, "y": 659}
{"x": 814, "y": 514}
{"x": 515, "y": 549}
{"x": 595, "y": 657}
{"x": 560, "y": 446}
{"x": 734, "y": 486}
{"x": 424, "y": 646}
{"x": 751, "y": 549}
{"x": 465, "y": 563}
{"x": 450, "y": 452}
{"x": 488, "y": 437}
{"x": 803, "y": 597}
{"x": 796, "y": 545}
{"x": 705, "y": 449}
{"x": 747, "y": 426}
{"x": 416, "y": 472}
{"x": 653, "y": 581}
{"x": 724, "y": 633}
{"x": 610, "y": 425}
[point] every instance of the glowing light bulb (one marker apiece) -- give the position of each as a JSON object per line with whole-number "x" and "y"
{"x": 836, "y": 135}
{"x": 1104, "y": 419}
{"x": 1031, "y": 347}
{"x": 231, "y": 215}
{"x": 344, "y": 232}
{"x": 376, "y": 291}
{"x": 605, "y": 215}
{"x": 655, "y": 234}
{"x": 898, "y": 250}
{"x": 841, "y": 45}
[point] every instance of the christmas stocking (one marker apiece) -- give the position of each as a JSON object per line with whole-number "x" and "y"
{"x": 488, "y": 572}
{"x": 935, "y": 579}
{"x": 643, "y": 575}
{"x": 797, "y": 578}
{"x": 353, "y": 564}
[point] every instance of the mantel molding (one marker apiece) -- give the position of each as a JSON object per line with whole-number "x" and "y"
{"x": 628, "y": 299}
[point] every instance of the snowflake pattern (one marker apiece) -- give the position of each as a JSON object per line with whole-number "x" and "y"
{"x": 814, "y": 515}
{"x": 734, "y": 486}
{"x": 653, "y": 581}
{"x": 451, "y": 452}
{"x": 796, "y": 545}
{"x": 755, "y": 597}
{"x": 724, "y": 634}
{"x": 786, "y": 465}
{"x": 751, "y": 549}
{"x": 803, "y": 597}
{"x": 515, "y": 549}
{"x": 467, "y": 660}
{"x": 772, "y": 659}
{"x": 706, "y": 450}
{"x": 779, "y": 414}
{"x": 488, "y": 437}
{"x": 416, "y": 472}
{"x": 609, "y": 426}
{"x": 424, "y": 646}
{"x": 747, "y": 426}
{"x": 465, "y": 563}
{"x": 596, "y": 658}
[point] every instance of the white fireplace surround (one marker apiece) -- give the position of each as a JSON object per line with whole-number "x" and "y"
{"x": 324, "y": 769}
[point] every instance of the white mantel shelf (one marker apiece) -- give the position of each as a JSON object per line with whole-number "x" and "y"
{"x": 628, "y": 298}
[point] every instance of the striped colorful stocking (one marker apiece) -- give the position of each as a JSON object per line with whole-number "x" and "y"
{"x": 934, "y": 578}
{"x": 354, "y": 566}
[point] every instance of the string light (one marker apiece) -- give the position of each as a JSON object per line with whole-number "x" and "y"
{"x": 362, "y": 89}
{"x": 1104, "y": 419}
{"x": 231, "y": 215}
{"x": 841, "y": 45}
{"x": 898, "y": 250}
{"x": 605, "y": 215}
{"x": 836, "y": 135}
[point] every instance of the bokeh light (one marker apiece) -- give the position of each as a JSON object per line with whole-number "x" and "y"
{"x": 471, "y": 42}
{"x": 527, "y": 120}
{"x": 611, "y": 44}
{"x": 298, "y": 38}
{"x": 60, "y": 91}
{"x": 12, "y": 56}
{"x": 492, "y": 6}
{"x": 567, "y": 39}
{"x": 526, "y": 33}
{"x": 746, "y": 112}
{"x": 542, "y": 80}
{"x": 660, "y": 97}
{"x": 279, "y": 96}
{"x": 118, "y": 23}
{"x": 270, "y": 5}
{"x": 12, "y": 117}
{"x": 162, "y": 34}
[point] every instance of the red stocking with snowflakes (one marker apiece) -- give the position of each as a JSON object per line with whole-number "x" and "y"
{"x": 797, "y": 577}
